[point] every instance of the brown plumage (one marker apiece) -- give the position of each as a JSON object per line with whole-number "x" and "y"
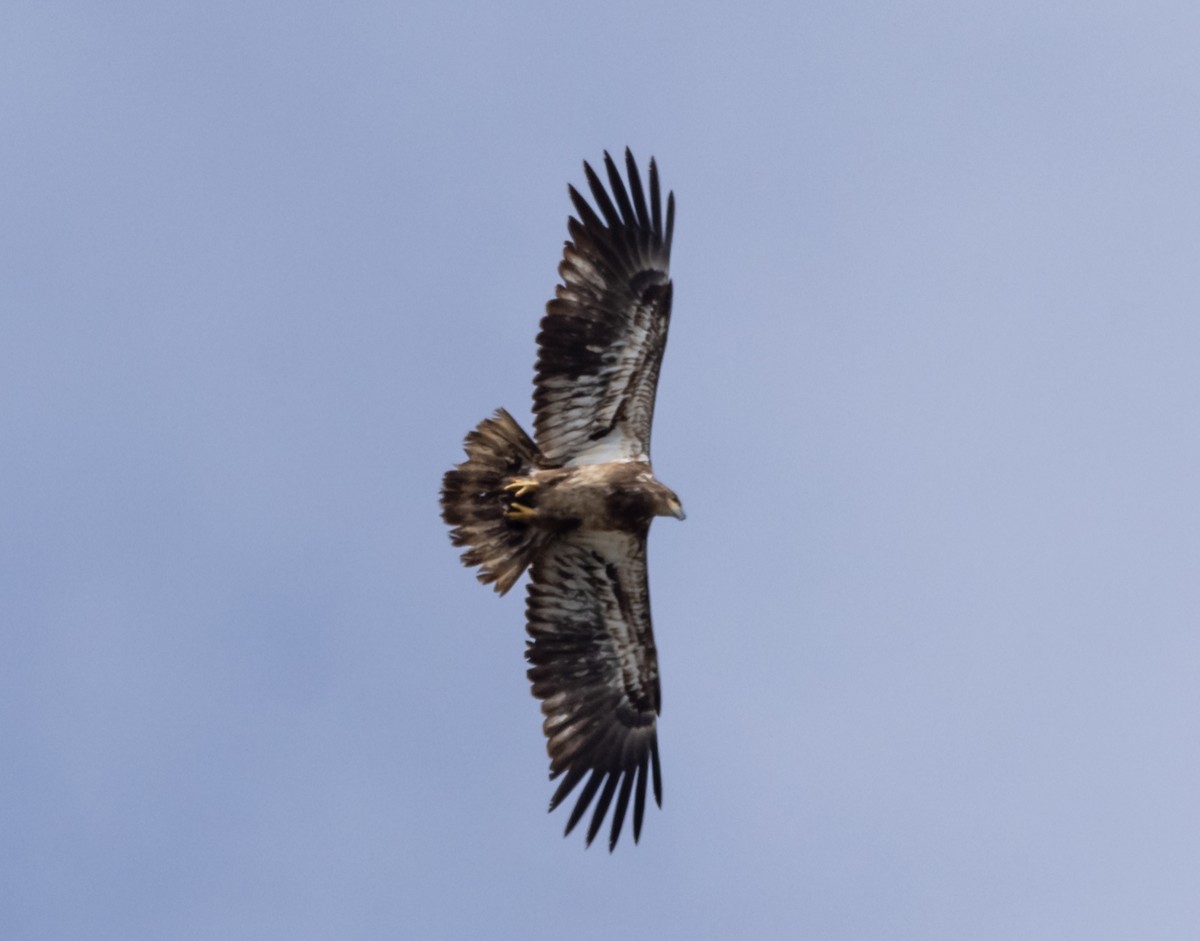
{"x": 575, "y": 508}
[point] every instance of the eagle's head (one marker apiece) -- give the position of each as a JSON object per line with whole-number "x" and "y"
{"x": 669, "y": 505}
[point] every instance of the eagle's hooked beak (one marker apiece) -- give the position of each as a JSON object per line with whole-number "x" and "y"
{"x": 676, "y": 508}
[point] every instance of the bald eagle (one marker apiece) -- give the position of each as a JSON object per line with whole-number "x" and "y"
{"x": 575, "y": 507}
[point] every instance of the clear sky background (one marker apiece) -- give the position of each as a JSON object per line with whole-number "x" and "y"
{"x": 930, "y": 635}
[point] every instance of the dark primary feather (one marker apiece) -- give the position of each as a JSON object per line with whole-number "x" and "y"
{"x": 602, "y": 339}
{"x": 595, "y": 668}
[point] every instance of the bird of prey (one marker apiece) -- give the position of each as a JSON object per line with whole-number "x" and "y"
{"x": 575, "y": 506}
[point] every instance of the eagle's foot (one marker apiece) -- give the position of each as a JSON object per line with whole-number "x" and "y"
{"x": 519, "y": 486}
{"x": 520, "y": 513}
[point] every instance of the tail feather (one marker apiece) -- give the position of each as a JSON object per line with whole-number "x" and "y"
{"x": 474, "y": 501}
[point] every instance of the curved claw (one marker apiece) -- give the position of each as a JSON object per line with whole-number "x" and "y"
{"x": 520, "y": 513}
{"x": 519, "y": 486}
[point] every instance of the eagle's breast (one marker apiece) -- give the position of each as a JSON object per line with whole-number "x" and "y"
{"x": 617, "y": 496}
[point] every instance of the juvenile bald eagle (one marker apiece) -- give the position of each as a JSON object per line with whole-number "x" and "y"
{"x": 575, "y": 508}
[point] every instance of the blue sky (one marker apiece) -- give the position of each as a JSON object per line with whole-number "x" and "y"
{"x": 929, "y": 634}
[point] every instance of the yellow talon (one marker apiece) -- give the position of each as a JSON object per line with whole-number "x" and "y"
{"x": 519, "y": 486}
{"x": 520, "y": 513}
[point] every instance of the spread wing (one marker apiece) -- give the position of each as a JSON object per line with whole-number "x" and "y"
{"x": 602, "y": 339}
{"x": 595, "y": 669}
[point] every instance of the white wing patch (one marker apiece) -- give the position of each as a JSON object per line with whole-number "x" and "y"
{"x": 614, "y": 448}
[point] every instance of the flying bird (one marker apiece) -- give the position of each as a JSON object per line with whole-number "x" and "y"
{"x": 574, "y": 507}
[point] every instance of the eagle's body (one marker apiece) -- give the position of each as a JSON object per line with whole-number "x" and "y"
{"x": 575, "y": 507}
{"x": 619, "y": 495}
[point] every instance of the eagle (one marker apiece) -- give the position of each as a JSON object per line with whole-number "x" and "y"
{"x": 574, "y": 507}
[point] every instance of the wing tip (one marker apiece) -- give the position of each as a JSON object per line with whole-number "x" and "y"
{"x": 629, "y": 777}
{"x": 627, "y": 215}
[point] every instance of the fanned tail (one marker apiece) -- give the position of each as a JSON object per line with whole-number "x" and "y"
{"x": 474, "y": 501}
